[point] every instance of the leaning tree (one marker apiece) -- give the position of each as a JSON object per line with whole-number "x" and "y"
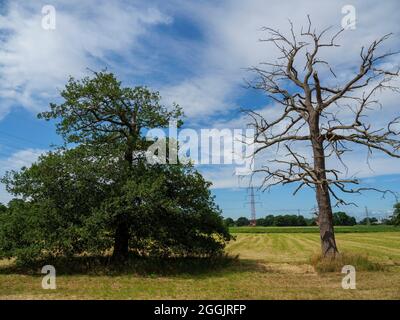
{"x": 321, "y": 116}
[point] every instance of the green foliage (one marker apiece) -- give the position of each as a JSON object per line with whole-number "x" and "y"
{"x": 281, "y": 220}
{"x": 339, "y": 219}
{"x": 76, "y": 201}
{"x": 18, "y": 231}
{"x": 169, "y": 211}
{"x": 260, "y": 222}
{"x": 395, "y": 219}
{"x": 229, "y": 222}
{"x": 3, "y": 208}
{"x": 101, "y": 192}
{"x": 98, "y": 109}
{"x": 342, "y": 219}
{"x": 63, "y": 189}
{"x": 242, "y": 221}
{"x": 269, "y": 220}
{"x": 289, "y": 220}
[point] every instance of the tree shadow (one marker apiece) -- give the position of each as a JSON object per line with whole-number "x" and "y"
{"x": 143, "y": 266}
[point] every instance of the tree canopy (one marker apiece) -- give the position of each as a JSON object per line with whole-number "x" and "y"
{"x": 97, "y": 192}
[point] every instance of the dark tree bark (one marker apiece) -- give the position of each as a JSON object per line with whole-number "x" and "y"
{"x": 121, "y": 243}
{"x": 325, "y": 216}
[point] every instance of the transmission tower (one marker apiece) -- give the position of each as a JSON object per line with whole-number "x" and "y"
{"x": 253, "y": 217}
{"x": 367, "y": 215}
{"x": 253, "y": 220}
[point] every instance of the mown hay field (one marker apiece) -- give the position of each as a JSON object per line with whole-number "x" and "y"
{"x": 270, "y": 266}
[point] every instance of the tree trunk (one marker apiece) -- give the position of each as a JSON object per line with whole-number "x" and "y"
{"x": 121, "y": 239}
{"x": 325, "y": 221}
{"x": 121, "y": 243}
{"x": 325, "y": 217}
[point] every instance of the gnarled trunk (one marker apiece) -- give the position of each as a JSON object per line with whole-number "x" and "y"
{"x": 325, "y": 216}
{"x": 325, "y": 221}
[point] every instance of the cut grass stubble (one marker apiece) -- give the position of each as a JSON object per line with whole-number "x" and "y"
{"x": 270, "y": 266}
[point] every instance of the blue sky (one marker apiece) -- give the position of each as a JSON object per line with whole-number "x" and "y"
{"x": 195, "y": 53}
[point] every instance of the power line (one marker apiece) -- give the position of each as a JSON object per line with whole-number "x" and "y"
{"x": 22, "y": 139}
{"x": 5, "y": 154}
{"x": 13, "y": 147}
{"x": 10, "y": 151}
{"x": 9, "y": 147}
{"x": 366, "y": 214}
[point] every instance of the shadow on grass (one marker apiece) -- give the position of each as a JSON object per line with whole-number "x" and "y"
{"x": 144, "y": 266}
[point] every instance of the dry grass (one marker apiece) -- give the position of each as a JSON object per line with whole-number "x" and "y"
{"x": 360, "y": 262}
{"x": 271, "y": 266}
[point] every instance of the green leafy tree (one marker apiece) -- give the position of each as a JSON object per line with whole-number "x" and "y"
{"x": 61, "y": 190}
{"x": 242, "y": 221}
{"x": 260, "y": 222}
{"x": 229, "y": 222}
{"x": 301, "y": 221}
{"x": 269, "y": 220}
{"x": 19, "y": 232}
{"x": 102, "y": 193}
{"x": 311, "y": 222}
{"x": 99, "y": 111}
{"x": 289, "y": 220}
{"x": 343, "y": 219}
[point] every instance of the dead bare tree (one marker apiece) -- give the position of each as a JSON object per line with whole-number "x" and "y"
{"x": 310, "y": 116}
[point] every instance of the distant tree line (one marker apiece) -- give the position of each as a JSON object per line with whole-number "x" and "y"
{"x": 339, "y": 219}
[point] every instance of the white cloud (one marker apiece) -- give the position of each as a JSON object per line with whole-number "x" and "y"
{"x": 35, "y": 62}
{"x": 232, "y": 30}
{"x": 223, "y": 176}
{"x": 202, "y": 96}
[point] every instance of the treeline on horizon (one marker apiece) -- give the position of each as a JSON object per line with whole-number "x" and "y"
{"x": 291, "y": 220}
